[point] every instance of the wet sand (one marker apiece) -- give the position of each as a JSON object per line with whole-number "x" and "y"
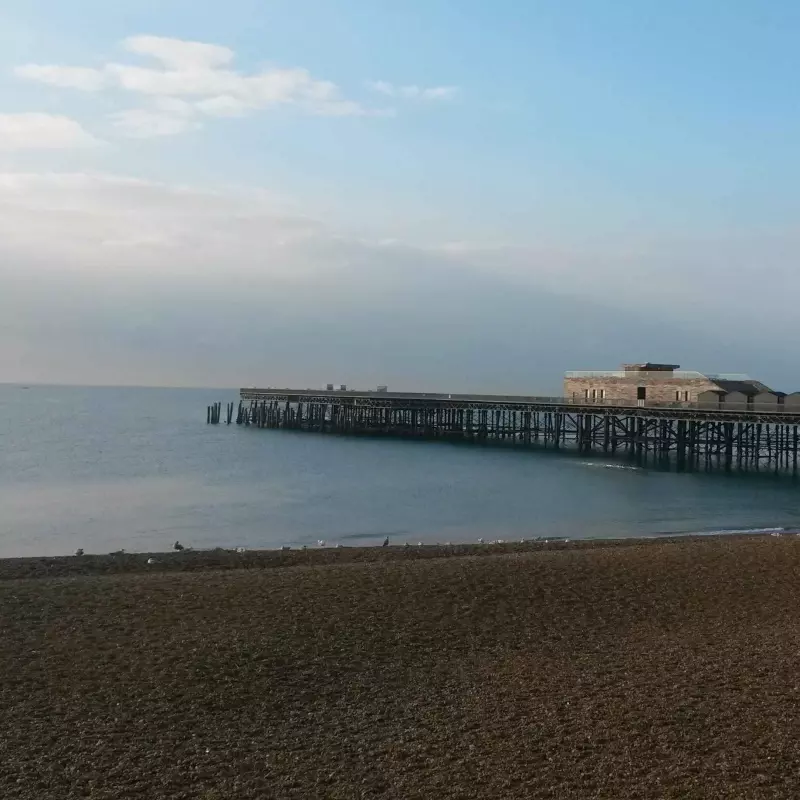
{"x": 658, "y": 669}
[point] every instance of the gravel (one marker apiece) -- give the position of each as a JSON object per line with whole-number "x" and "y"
{"x": 664, "y": 669}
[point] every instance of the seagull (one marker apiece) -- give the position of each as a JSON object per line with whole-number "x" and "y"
{"x": 320, "y": 542}
{"x": 480, "y": 541}
{"x": 386, "y": 542}
{"x": 178, "y": 546}
{"x": 240, "y": 550}
{"x": 447, "y": 544}
{"x": 79, "y": 551}
{"x": 152, "y": 561}
{"x": 419, "y": 544}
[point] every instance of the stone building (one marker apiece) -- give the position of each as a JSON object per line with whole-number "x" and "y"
{"x": 640, "y": 384}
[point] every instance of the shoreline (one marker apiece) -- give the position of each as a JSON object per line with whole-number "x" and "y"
{"x": 219, "y": 558}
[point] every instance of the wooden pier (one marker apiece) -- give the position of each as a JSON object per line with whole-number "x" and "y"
{"x": 679, "y": 436}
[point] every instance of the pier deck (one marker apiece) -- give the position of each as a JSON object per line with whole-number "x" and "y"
{"x": 680, "y": 436}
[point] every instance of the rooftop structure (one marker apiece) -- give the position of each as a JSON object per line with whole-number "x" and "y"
{"x": 663, "y": 383}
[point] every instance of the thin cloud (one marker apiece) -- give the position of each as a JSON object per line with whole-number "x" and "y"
{"x": 179, "y": 53}
{"x": 413, "y": 92}
{"x": 85, "y": 79}
{"x": 142, "y": 123}
{"x": 200, "y": 75}
{"x": 34, "y": 131}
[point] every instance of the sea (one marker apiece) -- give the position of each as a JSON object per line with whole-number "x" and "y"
{"x": 105, "y": 469}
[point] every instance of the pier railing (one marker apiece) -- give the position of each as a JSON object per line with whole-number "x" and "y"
{"x": 269, "y": 393}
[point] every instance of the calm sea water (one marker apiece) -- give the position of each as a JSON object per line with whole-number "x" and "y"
{"x": 107, "y": 468}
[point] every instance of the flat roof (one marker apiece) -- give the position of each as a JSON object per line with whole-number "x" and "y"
{"x": 651, "y": 365}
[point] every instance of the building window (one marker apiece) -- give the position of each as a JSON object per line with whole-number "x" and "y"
{"x": 602, "y": 394}
{"x": 686, "y": 397}
{"x": 677, "y": 397}
{"x": 585, "y": 394}
{"x": 594, "y": 394}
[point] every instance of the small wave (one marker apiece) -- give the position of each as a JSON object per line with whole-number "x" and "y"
{"x": 600, "y": 465}
{"x": 727, "y": 532}
{"x": 735, "y": 531}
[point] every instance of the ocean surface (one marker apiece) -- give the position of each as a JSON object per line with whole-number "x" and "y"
{"x": 111, "y": 468}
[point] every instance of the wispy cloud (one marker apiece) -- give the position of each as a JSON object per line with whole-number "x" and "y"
{"x": 179, "y": 53}
{"x": 84, "y": 78}
{"x": 413, "y": 92}
{"x": 42, "y": 132}
{"x": 200, "y": 75}
{"x": 144, "y": 123}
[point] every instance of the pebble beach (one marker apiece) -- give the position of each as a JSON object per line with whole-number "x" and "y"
{"x": 620, "y": 669}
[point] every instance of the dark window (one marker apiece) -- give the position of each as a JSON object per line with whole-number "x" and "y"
{"x": 641, "y": 393}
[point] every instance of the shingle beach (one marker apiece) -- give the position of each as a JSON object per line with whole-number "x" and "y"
{"x": 651, "y": 669}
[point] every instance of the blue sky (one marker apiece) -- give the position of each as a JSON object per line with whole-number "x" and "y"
{"x": 640, "y": 157}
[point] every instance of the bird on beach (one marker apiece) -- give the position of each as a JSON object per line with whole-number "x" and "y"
{"x": 178, "y": 546}
{"x": 79, "y": 551}
{"x": 480, "y": 541}
{"x": 386, "y": 542}
{"x": 320, "y": 542}
{"x": 151, "y": 561}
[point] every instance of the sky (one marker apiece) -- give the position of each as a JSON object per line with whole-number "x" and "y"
{"x": 430, "y": 194}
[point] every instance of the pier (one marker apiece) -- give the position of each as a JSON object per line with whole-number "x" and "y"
{"x": 680, "y": 436}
